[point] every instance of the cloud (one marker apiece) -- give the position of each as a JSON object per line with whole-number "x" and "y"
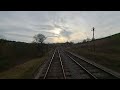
{"x": 18, "y": 35}
{"x": 44, "y": 27}
{"x": 59, "y": 26}
{"x": 66, "y": 34}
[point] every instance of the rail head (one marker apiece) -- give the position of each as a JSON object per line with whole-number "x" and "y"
{"x": 49, "y": 65}
{"x": 97, "y": 66}
{"x": 62, "y": 65}
{"x": 94, "y": 77}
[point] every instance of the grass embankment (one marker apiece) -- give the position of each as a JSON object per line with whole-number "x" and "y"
{"x": 23, "y": 71}
{"x": 17, "y": 59}
{"x": 14, "y": 53}
{"x": 107, "y": 51}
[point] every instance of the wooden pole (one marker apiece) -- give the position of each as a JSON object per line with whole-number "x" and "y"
{"x": 93, "y": 41}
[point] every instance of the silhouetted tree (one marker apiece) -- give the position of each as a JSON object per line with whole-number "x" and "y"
{"x": 84, "y": 41}
{"x": 88, "y": 39}
{"x": 39, "y": 38}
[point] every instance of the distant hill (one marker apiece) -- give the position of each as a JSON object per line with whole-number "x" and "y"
{"x": 113, "y": 40}
{"x": 115, "y": 36}
{"x": 106, "y": 52}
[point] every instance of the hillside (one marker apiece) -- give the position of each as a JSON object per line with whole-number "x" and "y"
{"x": 13, "y": 53}
{"x": 107, "y": 51}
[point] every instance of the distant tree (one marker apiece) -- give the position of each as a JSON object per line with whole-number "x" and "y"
{"x": 88, "y": 39}
{"x": 84, "y": 41}
{"x": 39, "y": 38}
{"x": 71, "y": 42}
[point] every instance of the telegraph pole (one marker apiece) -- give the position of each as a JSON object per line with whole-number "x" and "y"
{"x": 93, "y": 39}
{"x": 93, "y": 32}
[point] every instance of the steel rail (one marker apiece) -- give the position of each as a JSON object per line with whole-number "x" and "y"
{"x": 49, "y": 64}
{"x": 62, "y": 66}
{"x": 94, "y": 77}
{"x": 93, "y": 65}
{"x": 61, "y": 63}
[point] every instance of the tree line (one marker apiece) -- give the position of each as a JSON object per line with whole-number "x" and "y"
{"x": 22, "y": 49}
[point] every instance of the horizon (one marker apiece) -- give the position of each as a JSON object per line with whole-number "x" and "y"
{"x": 61, "y": 42}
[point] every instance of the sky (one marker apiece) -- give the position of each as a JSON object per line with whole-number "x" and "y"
{"x": 58, "y": 26}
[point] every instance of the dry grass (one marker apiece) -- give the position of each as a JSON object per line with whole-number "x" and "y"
{"x": 107, "y": 51}
{"x": 111, "y": 61}
{"x": 23, "y": 71}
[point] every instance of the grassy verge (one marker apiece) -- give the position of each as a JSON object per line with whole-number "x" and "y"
{"x": 23, "y": 71}
{"x": 104, "y": 57}
{"x": 7, "y": 63}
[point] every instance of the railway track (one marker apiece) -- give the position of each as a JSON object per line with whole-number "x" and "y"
{"x": 67, "y": 65}
{"x": 55, "y": 68}
{"x": 91, "y": 70}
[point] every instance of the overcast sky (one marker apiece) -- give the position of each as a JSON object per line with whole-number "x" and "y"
{"x": 58, "y": 26}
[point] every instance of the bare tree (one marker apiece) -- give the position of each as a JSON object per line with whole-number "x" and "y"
{"x": 39, "y": 38}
